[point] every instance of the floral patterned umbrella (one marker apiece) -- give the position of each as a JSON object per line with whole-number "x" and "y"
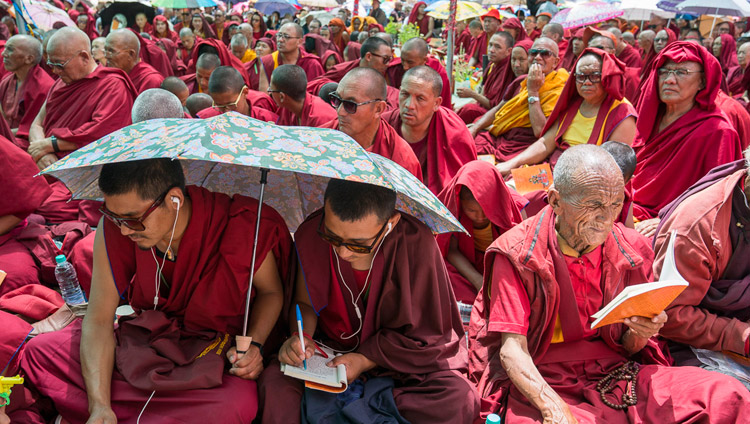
{"x": 226, "y": 154}
{"x": 589, "y": 13}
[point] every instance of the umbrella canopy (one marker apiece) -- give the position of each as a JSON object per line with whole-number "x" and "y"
{"x": 715, "y": 7}
{"x": 43, "y": 15}
{"x": 267, "y": 7}
{"x": 464, "y": 10}
{"x": 226, "y": 154}
{"x": 323, "y": 16}
{"x": 128, "y": 9}
{"x": 184, "y": 4}
{"x": 641, "y": 10}
{"x": 319, "y": 3}
{"x": 586, "y": 14}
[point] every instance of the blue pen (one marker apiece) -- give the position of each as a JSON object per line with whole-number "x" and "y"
{"x": 301, "y": 334}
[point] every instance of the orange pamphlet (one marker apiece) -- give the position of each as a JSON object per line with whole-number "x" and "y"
{"x": 318, "y": 375}
{"x": 2, "y": 276}
{"x": 532, "y": 178}
{"x": 645, "y": 300}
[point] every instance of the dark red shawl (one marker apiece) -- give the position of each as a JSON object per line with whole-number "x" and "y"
{"x": 324, "y": 58}
{"x": 170, "y": 49}
{"x": 353, "y": 51}
{"x": 478, "y": 47}
{"x": 315, "y": 112}
{"x": 651, "y": 54}
{"x": 424, "y": 23}
{"x": 29, "y": 101}
{"x": 144, "y": 76}
{"x": 334, "y": 75}
{"x": 395, "y": 73}
{"x": 569, "y": 59}
{"x": 735, "y": 76}
{"x": 728, "y": 57}
{"x": 22, "y": 191}
{"x": 225, "y": 56}
{"x": 514, "y": 23}
{"x": 463, "y": 40}
{"x": 630, "y": 57}
{"x": 208, "y": 31}
{"x": 171, "y": 35}
{"x": 152, "y": 54}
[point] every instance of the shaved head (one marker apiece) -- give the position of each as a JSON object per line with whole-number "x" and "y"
{"x": 580, "y": 161}
{"x": 624, "y": 156}
{"x": 546, "y": 43}
{"x": 374, "y": 83}
{"x": 555, "y": 31}
{"x": 416, "y": 45}
{"x": 197, "y": 102}
{"x": 21, "y": 53}
{"x": 72, "y": 46}
{"x": 156, "y": 103}
{"x": 294, "y": 29}
{"x": 208, "y": 61}
{"x": 428, "y": 75}
{"x": 177, "y": 87}
{"x": 226, "y": 79}
{"x": 290, "y": 80}
{"x": 68, "y": 40}
{"x": 125, "y": 38}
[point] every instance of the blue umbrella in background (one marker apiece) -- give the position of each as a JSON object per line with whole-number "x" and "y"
{"x": 267, "y": 7}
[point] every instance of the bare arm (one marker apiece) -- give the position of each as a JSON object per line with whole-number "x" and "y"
{"x": 518, "y": 364}
{"x": 430, "y": 27}
{"x": 485, "y": 121}
{"x": 36, "y": 130}
{"x": 537, "y": 152}
{"x": 462, "y": 264}
{"x": 534, "y": 83}
{"x": 625, "y": 132}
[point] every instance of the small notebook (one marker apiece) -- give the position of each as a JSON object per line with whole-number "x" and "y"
{"x": 647, "y": 299}
{"x": 532, "y": 178}
{"x": 318, "y": 375}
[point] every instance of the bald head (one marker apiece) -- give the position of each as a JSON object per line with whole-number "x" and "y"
{"x": 197, "y": 102}
{"x": 290, "y": 80}
{"x": 156, "y": 103}
{"x": 603, "y": 43}
{"x": 122, "y": 49}
{"x": 226, "y": 79}
{"x": 126, "y": 39}
{"x": 554, "y": 31}
{"x": 373, "y": 83}
{"x": 624, "y": 156}
{"x": 21, "y": 53}
{"x": 385, "y": 37}
{"x": 208, "y": 61}
{"x": 425, "y": 74}
{"x": 628, "y": 37}
{"x": 578, "y": 163}
{"x": 72, "y": 47}
{"x": 177, "y": 87}
{"x": 68, "y": 40}
{"x": 292, "y": 29}
{"x": 546, "y": 43}
{"x": 417, "y": 46}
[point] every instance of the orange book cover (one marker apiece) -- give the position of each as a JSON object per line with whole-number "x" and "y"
{"x": 2, "y": 276}
{"x": 532, "y": 178}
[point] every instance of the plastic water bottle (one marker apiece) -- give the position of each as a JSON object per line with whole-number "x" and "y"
{"x": 68, "y": 281}
{"x": 493, "y": 419}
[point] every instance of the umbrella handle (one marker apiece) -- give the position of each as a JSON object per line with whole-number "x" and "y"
{"x": 263, "y": 182}
{"x": 243, "y": 344}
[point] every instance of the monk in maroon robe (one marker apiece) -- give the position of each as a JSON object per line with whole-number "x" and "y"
{"x": 204, "y": 242}
{"x": 360, "y": 106}
{"x": 571, "y": 54}
{"x": 297, "y": 107}
{"x": 226, "y": 58}
{"x": 463, "y": 41}
{"x": 161, "y": 30}
{"x": 624, "y": 51}
{"x": 738, "y": 116}
{"x": 229, "y": 93}
{"x": 680, "y": 147}
{"x": 123, "y": 51}
{"x": 404, "y": 324}
{"x": 491, "y": 24}
{"x": 415, "y": 53}
{"x": 534, "y": 356}
{"x": 725, "y": 49}
{"x": 151, "y": 53}
{"x": 438, "y": 137}
{"x": 484, "y": 205}
{"x": 289, "y": 45}
{"x": 85, "y": 104}
{"x": 604, "y": 40}
{"x": 24, "y": 89}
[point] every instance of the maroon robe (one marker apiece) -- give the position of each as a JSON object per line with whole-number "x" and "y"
{"x": 152, "y": 54}
{"x": 630, "y": 57}
{"x": 444, "y": 150}
{"x": 422, "y": 24}
{"x": 315, "y": 113}
{"x": 353, "y": 51}
{"x": 390, "y": 145}
{"x": 478, "y": 48}
{"x": 210, "y": 274}
{"x": 21, "y": 106}
{"x": 501, "y": 206}
{"x": 568, "y": 59}
{"x": 144, "y": 76}
{"x": 176, "y": 64}
{"x": 395, "y": 73}
{"x": 410, "y": 325}
{"x": 171, "y": 35}
{"x": 734, "y": 81}
{"x": 338, "y": 72}
{"x": 463, "y": 41}
{"x": 310, "y": 63}
{"x": 728, "y": 57}
{"x": 225, "y": 57}
{"x": 494, "y": 80}
{"x": 738, "y": 117}
{"x": 531, "y": 276}
{"x": 679, "y": 155}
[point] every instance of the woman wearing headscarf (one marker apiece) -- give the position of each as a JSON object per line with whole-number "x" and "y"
{"x": 575, "y": 49}
{"x": 338, "y": 36}
{"x": 356, "y": 24}
{"x": 201, "y": 27}
{"x": 329, "y": 59}
{"x": 419, "y": 17}
{"x": 725, "y": 49}
{"x": 259, "y": 25}
{"x": 161, "y": 30}
{"x": 515, "y": 28}
{"x": 685, "y": 134}
{"x": 591, "y": 109}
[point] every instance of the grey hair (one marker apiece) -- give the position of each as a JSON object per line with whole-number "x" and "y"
{"x": 185, "y": 32}
{"x": 582, "y": 158}
{"x": 238, "y": 40}
{"x": 156, "y": 103}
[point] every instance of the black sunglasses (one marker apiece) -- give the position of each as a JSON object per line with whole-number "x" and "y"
{"x": 336, "y": 242}
{"x": 349, "y": 106}
{"x": 544, "y": 53}
{"x": 595, "y": 77}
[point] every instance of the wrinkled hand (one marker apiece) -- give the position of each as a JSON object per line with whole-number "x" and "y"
{"x": 39, "y": 148}
{"x": 504, "y": 168}
{"x": 647, "y": 228}
{"x": 355, "y": 363}
{"x": 535, "y": 80}
{"x": 561, "y": 415}
{"x": 46, "y": 161}
{"x": 646, "y": 328}
{"x": 247, "y": 366}
{"x": 464, "y": 92}
{"x": 102, "y": 415}
{"x": 291, "y": 351}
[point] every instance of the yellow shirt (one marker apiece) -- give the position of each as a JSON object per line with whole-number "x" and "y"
{"x": 579, "y": 130}
{"x": 482, "y": 237}
{"x": 248, "y": 56}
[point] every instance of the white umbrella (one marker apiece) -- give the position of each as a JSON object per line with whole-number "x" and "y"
{"x": 323, "y": 16}
{"x": 641, "y": 10}
{"x": 715, "y": 7}
{"x": 44, "y": 15}
{"x": 319, "y": 3}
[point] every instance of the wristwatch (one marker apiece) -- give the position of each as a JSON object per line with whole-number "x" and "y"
{"x": 53, "y": 140}
{"x": 533, "y": 99}
{"x": 258, "y": 345}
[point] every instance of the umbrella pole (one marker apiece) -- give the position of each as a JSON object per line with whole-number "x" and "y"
{"x": 243, "y": 341}
{"x": 713, "y": 23}
{"x": 451, "y": 40}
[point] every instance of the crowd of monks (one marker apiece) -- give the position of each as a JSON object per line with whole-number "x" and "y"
{"x": 644, "y": 130}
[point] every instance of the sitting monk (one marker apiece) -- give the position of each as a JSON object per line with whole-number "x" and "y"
{"x": 297, "y": 107}
{"x": 627, "y": 54}
{"x": 229, "y": 93}
{"x": 496, "y": 77}
{"x": 685, "y": 135}
{"x": 122, "y": 50}
{"x": 359, "y": 100}
{"x": 240, "y": 49}
{"x": 85, "y": 104}
{"x": 534, "y": 354}
{"x": 710, "y": 251}
{"x": 24, "y": 90}
{"x": 198, "y": 102}
{"x": 626, "y": 159}
{"x": 416, "y": 52}
{"x": 401, "y": 320}
{"x": 177, "y": 87}
{"x": 485, "y": 206}
{"x": 437, "y": 135}
{"x": 376, "y": 54}
{"x": 289, "y": 50}
{"x": 517, "y": 123}
{"x": 204, "y": 66}
{"x": 200, "y": 244}
{"x": 604, "y": 40}
{"x": 591, "y": 109}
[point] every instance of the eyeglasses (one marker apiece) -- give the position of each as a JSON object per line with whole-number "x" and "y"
{"x": 229, "y": 106}
{"x": 595, "y": 77}
{"x": 664, "y": 73}
{"x": 62, "y": 66}
{"x": 337, "y": 242}
{"x": 111, "y": 53}
{"x": 544, "y": 53}
{"x": 269, "y": 91}
{"x": 282, "y": 36}
{"x": 386, "y": 59}
{"x": 135, "y": 224}
{"x": 349, "y": 106}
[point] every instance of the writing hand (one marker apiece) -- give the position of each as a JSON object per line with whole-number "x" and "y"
{"x": 355, "y": 363}
{"x": 291, "y": 351}
{"x": 248, "y": 366}
{"x": 46, "y": 161}
{"x": 646, "y": 328}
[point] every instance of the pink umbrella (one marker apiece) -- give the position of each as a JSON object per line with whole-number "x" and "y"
{"x": 586, "y": 14}
{"x": 241, "y": 8}
{"x": 43, "y": 15}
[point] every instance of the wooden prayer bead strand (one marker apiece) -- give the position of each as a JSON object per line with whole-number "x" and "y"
{"x": 628, "y": 372}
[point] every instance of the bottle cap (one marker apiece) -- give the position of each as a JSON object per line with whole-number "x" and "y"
{"x": 493, "y": 419}
{"x": 60, "y": 259}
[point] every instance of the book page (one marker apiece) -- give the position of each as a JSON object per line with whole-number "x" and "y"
{"x": 318, "y": 371}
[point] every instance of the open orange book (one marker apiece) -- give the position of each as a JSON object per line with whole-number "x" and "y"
{"x": 645, "y": 300}
{"x": 318, "y": 375}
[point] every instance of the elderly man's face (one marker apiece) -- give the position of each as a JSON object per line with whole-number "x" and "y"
{"x": 660, "y": 41}
{"x": 680, "y": 82}
{"x": 287, "y": 40}
{"x": 577, "y": 44}
{"x": 490, "y": 24}
{"x": 314, "y": 27}
{"x": 519, "y": 61}
{"x": 70, "y": 65}
{"x": 589, "y": 80}
{"x": 262, "y": 49}
{"x": 411, "y": 58}
{"x": 82, "y": 21}
{"x": 645, "y": 42}
{"x": 544, "y": 55}
{"x": 188, "y": 41}
{"x": 417, "y": 101}
{"x": 603, "y": 43}
{"x": 742, "y": 54}
{"x": 238, "y": 50}
{"x": 716, "y": 47}
{"x": 15, "y": 56}
{"x": 118, "y": 56}
{"x": 97, "y": 51}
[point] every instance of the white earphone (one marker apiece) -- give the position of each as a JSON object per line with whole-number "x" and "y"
{"x": 160, "y": 267}
{"x": 176, "y": 200}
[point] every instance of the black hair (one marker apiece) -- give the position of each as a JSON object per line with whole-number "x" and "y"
{"x": 351, "y": 201}
{"x": 149, "y": 178}
{"x": 290, "y": 80}
{"x": 624, "y": 155}
{"x": 371, "y": 45}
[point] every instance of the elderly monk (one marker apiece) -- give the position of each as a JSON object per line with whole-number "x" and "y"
{"x": 484, "y": 205}
{"x": 415, "y": 52}
{"x": 226, "y": 58}
{"x": 297, "y": 107}
{"x": 187, "y": 39}
{"x": 238, "y": 46}
{"x": 685, "y": 133}
{"x": 624, "y": 51}
{"x": 710, "y": 251}
{"x": 603, "y": 40}
{"x": 203, "y": 242}
{"x": 122, "y": 50}
{"x": 724, "y": 48}
{"x": 556, "y": 33}
{"x": 177, "y": 87}
{"x": 97, "y": 50}
{"x": 591, "y": 109}
{"x": 534, "y": 354}
{"x": 646, "y": 44}
{"x": 229, "y": 93}
{"x": 24, "y": 90}
{"x": 736, "y": 74}
{"x": 496, "y": 77}
{"x": 359, "y": 100}
{"x": 517, "y": 123}
{"x": 478, "y": 47}
{"x": 437, "y": 135}
{"x": 85, "y": 104}
{"x": 404, "y": 323}
{"x": 290, "y": 50}
{"x": 156, "y": 103}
